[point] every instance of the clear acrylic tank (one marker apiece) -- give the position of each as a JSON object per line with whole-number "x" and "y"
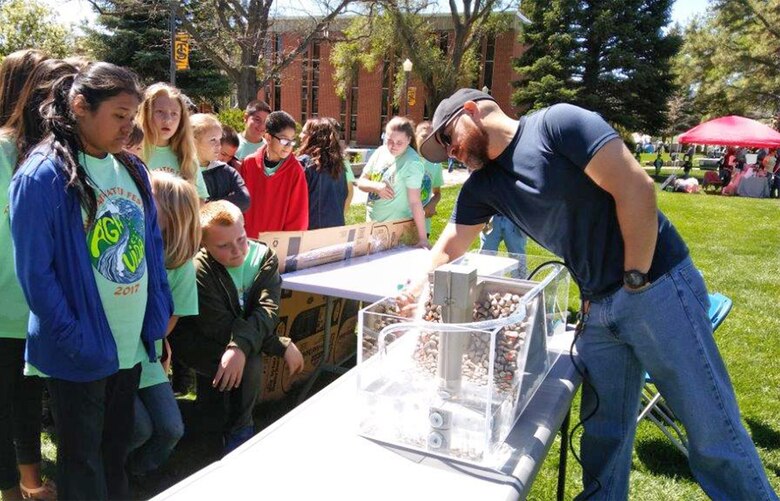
{"x": 455, "y": 389}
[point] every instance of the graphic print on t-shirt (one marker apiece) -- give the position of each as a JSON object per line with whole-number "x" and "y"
{"x": 384, "y": 174}
{"x": 426, "y": 190}
{"x": 116, "y": 239}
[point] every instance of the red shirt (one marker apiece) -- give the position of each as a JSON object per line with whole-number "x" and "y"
{"x": 279, "y": 202}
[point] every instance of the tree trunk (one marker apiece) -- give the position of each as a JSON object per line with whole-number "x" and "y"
{"x": 247, "y": 86}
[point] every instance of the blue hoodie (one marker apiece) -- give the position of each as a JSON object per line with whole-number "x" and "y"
{"x": 68, "y": 333}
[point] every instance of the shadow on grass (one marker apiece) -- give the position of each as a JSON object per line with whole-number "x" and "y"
{"x": 662, "y": 458}
{"x": 763, "y": 434}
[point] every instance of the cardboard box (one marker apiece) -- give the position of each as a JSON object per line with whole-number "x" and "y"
{"x": 344, "y": 341}
{"x": 298, "y": 250}
{"x": 302, "y": 315}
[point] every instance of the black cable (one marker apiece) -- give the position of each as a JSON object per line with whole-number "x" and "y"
{"x": 577, "y": 333}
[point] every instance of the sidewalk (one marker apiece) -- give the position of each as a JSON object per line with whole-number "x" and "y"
{"x": 457, "y": 177}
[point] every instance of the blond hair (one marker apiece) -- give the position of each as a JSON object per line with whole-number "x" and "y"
{"x": 178, "y": 214}
{"x": 182, "y": 142}
{"x": 204, "y": 122}
{"x": 219, "y": 213}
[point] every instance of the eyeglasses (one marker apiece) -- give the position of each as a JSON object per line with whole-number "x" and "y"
{"x": 284, "y": 141}
{"x": 446, "y": 139}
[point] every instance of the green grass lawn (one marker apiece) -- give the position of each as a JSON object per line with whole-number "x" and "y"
{"x": 736, "y": 244}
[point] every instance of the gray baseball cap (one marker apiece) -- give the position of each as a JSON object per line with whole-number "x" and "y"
{"x": 431, "y": 148}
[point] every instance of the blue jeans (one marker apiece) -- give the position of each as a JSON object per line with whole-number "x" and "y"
{"x": 157, "y": 429}
{"x": 664, "y": 329}
{"x": 513, "y": 237}
{"x": 503, "y": 229}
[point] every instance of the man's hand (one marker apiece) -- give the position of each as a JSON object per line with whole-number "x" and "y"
{"x": 293, "y": 359}
{"x": 430, "y": 209}
{"x": 231, "y": 369}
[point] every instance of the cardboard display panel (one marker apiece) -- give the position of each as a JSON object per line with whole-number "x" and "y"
{"x": 302, "y": 315}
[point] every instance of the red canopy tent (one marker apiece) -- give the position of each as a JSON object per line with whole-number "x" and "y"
{"x": 732, "y": 131}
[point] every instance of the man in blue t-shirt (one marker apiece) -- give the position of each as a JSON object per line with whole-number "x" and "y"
{"x": 564, "y": 177}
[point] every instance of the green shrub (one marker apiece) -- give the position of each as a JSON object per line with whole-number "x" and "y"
{"x": 232, "y": 117}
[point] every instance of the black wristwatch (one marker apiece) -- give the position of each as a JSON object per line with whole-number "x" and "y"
{"x": 635, "y": 279}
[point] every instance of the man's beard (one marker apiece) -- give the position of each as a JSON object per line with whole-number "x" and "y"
{"x": 475, "y": 145}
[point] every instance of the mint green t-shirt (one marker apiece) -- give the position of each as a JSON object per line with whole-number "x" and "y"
{"x": 348, "y": 169}
{"x": 117, "y": 249}
{"x": 244, "y": 276}
{"x": 246, "y": 148}
{"x": 13, "y": 307}
{"x": 432, "y": 178}
{"x": 184, "y": 290}
{"x": 163, "y": 158}
{"x": 403, "y": 172}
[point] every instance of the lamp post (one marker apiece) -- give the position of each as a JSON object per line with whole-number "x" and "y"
{"x": 407, "y": 65}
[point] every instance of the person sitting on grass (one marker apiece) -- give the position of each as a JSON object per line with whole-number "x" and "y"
{"x": 239, "y": 288}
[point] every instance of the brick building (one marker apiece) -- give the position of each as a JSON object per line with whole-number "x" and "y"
{"x": 306, "y": 90}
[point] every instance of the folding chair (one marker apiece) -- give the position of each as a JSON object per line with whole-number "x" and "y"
{"x": 653, "y": 406}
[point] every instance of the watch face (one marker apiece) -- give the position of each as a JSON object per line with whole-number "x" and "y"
{"x": 635, "y": 279}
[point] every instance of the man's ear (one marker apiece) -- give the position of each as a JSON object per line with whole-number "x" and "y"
{"x": 79, "y": 105}
{"x": 471, "y": 108}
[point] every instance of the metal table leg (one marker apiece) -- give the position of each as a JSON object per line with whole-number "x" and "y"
{"x": 563, "y": 456}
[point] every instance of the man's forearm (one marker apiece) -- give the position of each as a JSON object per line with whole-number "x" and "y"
{"x": 637, "y": 214}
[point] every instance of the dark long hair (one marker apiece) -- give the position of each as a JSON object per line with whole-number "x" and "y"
{"x": 97, "y": 83}
{"x": 15, "y": 70}
{"x": 25, "y": 125}
{"x": 321, "y": 143}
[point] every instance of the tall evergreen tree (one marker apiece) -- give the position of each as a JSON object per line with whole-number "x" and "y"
{"x": 611, "y": 56}
{"x": 140, "y": 39}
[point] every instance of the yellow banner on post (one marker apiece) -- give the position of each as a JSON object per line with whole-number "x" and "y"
{"x": 181, "y": 51}
{"x": 411, "y": 96}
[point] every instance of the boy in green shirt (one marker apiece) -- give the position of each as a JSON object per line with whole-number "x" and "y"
{"x": 239, "y": 289}
{"x": 254, "y": 127}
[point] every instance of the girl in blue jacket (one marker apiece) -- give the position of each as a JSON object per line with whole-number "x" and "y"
{"x": 89, "y": 259}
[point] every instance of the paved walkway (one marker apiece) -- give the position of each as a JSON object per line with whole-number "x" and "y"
{"x": 456, "y": 177}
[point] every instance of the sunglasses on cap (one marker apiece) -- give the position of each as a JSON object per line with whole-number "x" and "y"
{"x": 444, "y": 138}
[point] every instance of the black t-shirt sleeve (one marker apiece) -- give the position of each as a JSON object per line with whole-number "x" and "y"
{"x": 469, "y": 206}
{"x": 576, "y": 133}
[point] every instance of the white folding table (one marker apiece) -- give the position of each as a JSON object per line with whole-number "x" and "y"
{"x": 314, "y": 452}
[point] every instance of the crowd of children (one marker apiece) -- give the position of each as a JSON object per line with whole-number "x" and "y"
{"x": 132, "y": 226}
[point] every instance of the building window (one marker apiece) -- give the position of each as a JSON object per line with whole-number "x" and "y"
{"x": 388, "y": 109}
{"x": 310, "y": 83}
{"x": 348, "y": 111}
{"x": 488, "y": 58}
{"x": 353, "y": 109}
{"x": 444, "y": 42}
